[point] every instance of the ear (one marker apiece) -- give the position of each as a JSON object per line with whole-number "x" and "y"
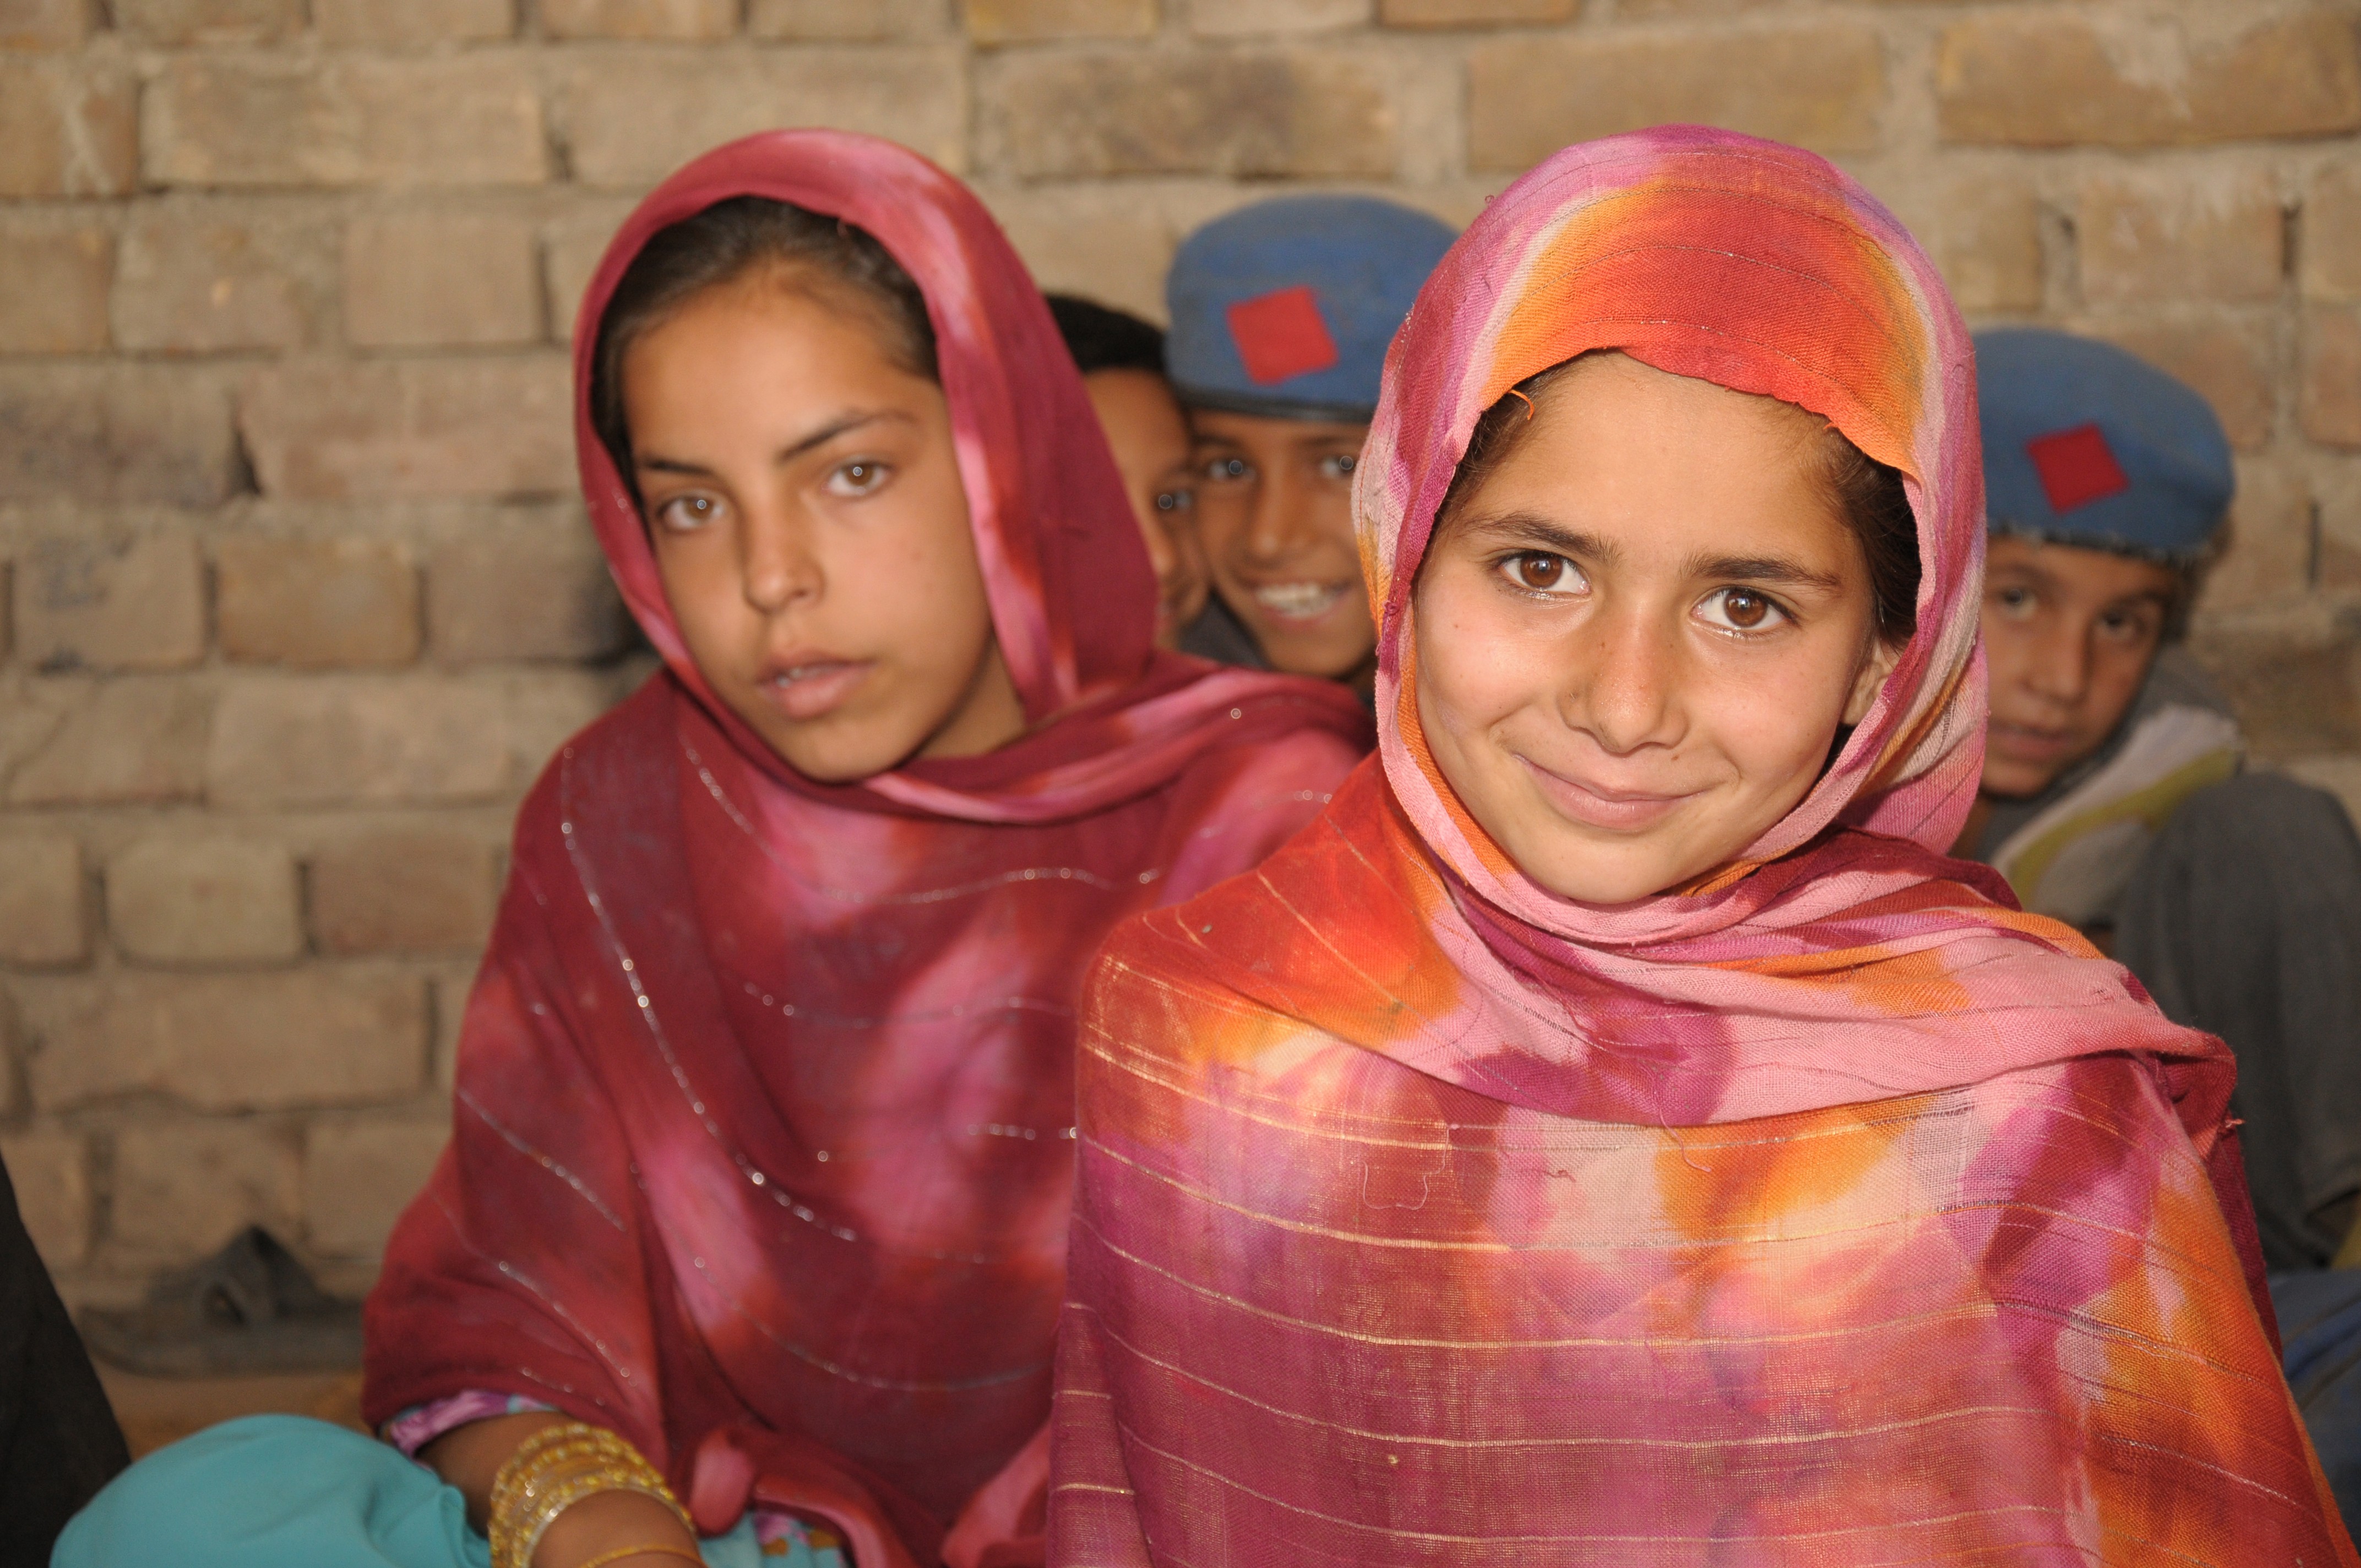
{"x": 1882, "y": 656}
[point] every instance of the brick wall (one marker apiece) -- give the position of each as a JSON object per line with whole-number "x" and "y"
{"x": 297, "y": 599}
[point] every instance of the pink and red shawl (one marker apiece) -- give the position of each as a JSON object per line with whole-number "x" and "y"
{"x": 764, "y": 1125}
{"x": 1831, "y": 1210}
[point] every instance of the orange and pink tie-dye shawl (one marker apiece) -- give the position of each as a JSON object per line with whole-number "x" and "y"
{"x": 1829, "y": 1212}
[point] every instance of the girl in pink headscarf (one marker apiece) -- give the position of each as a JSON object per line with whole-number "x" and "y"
{"x": 1613, "y": 1132}
{"x": 752, "y": 1224}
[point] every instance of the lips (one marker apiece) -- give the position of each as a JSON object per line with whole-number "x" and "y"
{"x": 808, "y": 685}
{"x": 2024, "y": 742}
{"x": 1597, "y": 804}
{"x": 1299, "y": 601}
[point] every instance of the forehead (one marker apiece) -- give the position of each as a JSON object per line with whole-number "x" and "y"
{"x": 2098, "y": 576}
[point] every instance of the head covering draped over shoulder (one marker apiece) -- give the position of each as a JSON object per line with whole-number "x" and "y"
{"x": 1284, "y": 308}
{"x": 764, "y": 1103}
{"x": 1830, "y": 1210}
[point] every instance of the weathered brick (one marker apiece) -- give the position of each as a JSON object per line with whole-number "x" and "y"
{"x": 359, "y": 1176}
{"x": 1244, "y": 18}
{"x": 69, "y": 126}
{"x": 2270, "y": 543}
{"x": 2332, "y": 235}
{"x": 411, "y": 23}
{"x": 419, "y": 892}
{"x": 1820, "y": 86}
{"x": 328, "y": 741}
{"x": 44, "y": 24}
{"x": 43, "y": 919}
{"x": 271, "y": 1041}
{"x": 520, "y": 595}
{"x": 284, "y": 120}
{"x": 2142, "y": 241}
{"x": 2231, "y": 362}
{"x": 208, "y": 21}
{"x": 2330, "y": 400}
{"x": 847, "y": 21}
{"x": 1475, "y": 13}
{"x": 55, "y": 299}
{"x": 443, "y": 427}
{"x": 114, "y": 433}
{"x": 688, "y": 19}
{"x": 1989, "y": 244}
{"x": 1246, "y": 115}
{"x": 688, "y": 103}
{"x": 547, "y": 709}
{"x": 127, "y": 602}
{"x": 316, "y": 603}
{"x": 571, "y": 253}
{"x": 181, "y": 1188}
{"x": 177, "y": 899}
{"x": 1072, "y": 242}
{"x": 2041, "y": 79}
{"x": 1020, "y": 21}
{"x": 51, "y": 1172}
{"x": 2293, "y": 697}
{"x": 133, "y": 740}
{"x": 424, "y": 280}
{"x": 191, "y": 283}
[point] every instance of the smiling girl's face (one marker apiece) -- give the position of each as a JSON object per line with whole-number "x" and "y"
{"x": 804, "y": 501}
{"x": 1637, "y": 635}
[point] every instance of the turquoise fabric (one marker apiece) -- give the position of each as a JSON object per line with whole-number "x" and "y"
{"x": 283, "y": 1492}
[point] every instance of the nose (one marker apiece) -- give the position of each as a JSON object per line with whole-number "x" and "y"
{"x": 1276, "y": 522}
{"x": 1623, "y": 681}
{"x": 2060, "y": 669}
{"x": 776, "y": 564}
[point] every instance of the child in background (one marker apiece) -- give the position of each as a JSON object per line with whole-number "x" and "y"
{"x": 1122, "y": 361}
{"x": 1614, "y": 1133}
{"x": 752, "y": 1224}
{"x": 2111, "y": 792}
{"x": 1282, "y": 313}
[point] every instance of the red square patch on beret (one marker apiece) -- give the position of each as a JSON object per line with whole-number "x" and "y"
{"x": 1281, "y": 333}
{"x": 2077, "y": 467}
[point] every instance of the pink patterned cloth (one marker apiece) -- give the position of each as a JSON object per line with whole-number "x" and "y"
{"x": 762, "y": 1146}
{"x": 1830, "y": 1210}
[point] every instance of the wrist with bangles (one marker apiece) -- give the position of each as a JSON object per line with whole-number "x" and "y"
{"x": 557, "y": 1467}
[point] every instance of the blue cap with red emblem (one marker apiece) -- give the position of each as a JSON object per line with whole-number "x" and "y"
{"x": 2087, "y": 445}
{"x": 1285, "y": 307}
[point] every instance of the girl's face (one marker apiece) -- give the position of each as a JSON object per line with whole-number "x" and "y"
{"x": 1637, "y": 638}
{"x": 812, "y": 533}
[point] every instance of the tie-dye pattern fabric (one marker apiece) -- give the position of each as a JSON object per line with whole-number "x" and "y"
{"x": 762, "y": 1134}
{"x": 1830, "y": 1210}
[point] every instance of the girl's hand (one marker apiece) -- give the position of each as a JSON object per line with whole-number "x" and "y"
{"x": 608, "y": 1522}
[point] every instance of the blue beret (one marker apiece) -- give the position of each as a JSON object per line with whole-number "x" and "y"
{"x": 1285, "y": 307}
{"x": 2086, "y": 445}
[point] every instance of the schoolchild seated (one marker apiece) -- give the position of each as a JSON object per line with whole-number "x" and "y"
{"x": 2113, "y": 793}
{"x": 1282, "y": 313}
{"x": 1615, "y": 1132}
{"x": 1122, "y": 361}
{"x": 749, "y": 1246}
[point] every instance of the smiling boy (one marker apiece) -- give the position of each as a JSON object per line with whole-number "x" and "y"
{"x": 1282, "y": 313}
{"x": 2112, "y": 795}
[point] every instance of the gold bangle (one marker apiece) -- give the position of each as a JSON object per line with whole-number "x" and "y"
{"x": 556, "y": 1467}
{"x": 622, "y": 1552}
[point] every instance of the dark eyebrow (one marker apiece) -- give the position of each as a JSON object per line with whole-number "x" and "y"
{"x": 1526, "y": 528}
{"x": 1766, "y": 569}
{"x": 788, "y": 454}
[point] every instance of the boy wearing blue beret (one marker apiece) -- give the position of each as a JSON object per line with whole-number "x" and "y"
{"x": 1282, "y": 313}
{"x": 2113, "y": 796}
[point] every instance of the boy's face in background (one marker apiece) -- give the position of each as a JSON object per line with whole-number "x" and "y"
{"x": 1150, "y": 440}
{"x": 2069, "y": 634}
{"x": 1275, "y": 516}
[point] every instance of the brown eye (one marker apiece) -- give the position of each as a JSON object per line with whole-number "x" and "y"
{"x": 1744, "y": 609}
{"x": 1540, "y": 572}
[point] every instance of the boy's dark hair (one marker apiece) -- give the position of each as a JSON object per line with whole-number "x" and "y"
{"x": 1867, "y": 494}
{"x": 1100, "y": 337}
{"x": 730, "y": 240}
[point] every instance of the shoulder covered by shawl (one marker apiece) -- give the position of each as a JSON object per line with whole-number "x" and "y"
{"x": 1352, "y": 931}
